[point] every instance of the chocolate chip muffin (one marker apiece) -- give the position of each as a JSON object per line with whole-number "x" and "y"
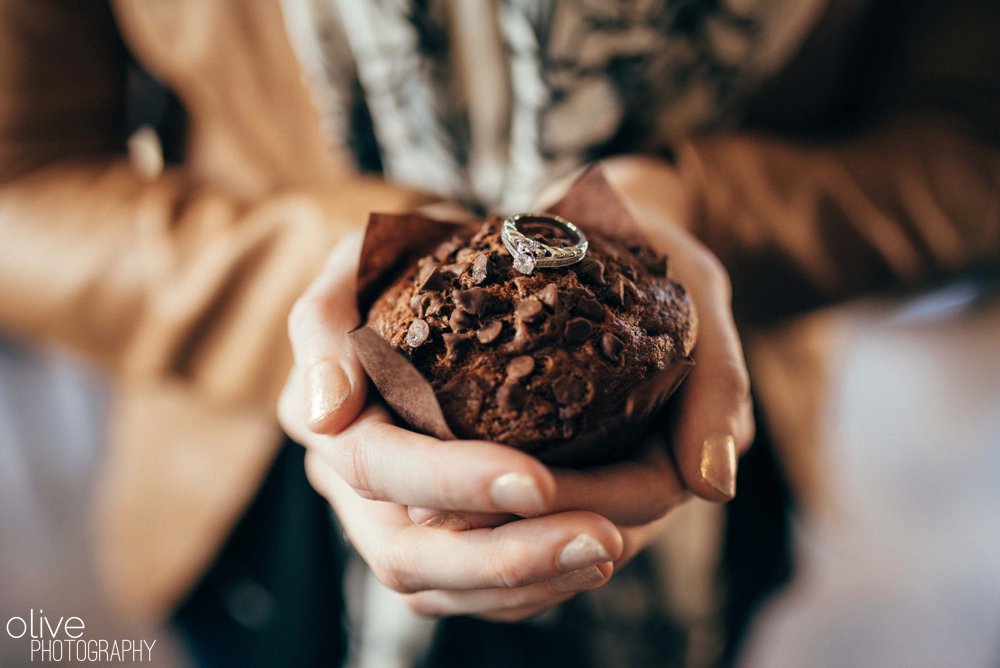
{"x": 533, "y": 361}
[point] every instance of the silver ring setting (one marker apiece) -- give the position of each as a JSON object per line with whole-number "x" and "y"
{"x": 530, "y": 254}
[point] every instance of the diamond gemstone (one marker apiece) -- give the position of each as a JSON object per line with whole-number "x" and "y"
{"x": 524, "y": 263}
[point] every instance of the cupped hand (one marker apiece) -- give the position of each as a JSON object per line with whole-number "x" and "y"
{"x": 371, "y": 470}
{"x": 713, "y": 423}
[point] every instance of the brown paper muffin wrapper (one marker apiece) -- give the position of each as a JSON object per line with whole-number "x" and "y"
{"x": 393, "y": 241}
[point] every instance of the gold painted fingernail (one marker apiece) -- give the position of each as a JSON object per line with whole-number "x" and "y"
{"x": 517, "y": 493}
{"x": 584, "y": 550}
{"x": 718, "y": 464}
{"x": 582, "y": 578}
{"x": 328, "y": 388}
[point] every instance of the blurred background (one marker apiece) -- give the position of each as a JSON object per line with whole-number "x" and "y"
{"x": 897, "y": 550}
{"x": 897, "y": 558}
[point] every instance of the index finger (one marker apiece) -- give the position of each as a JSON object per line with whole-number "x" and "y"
{"x": 715, "y": 420}
{"x": 385, "y": 462}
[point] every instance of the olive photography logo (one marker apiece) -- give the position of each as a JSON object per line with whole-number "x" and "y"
{"x": 55, "y": 639}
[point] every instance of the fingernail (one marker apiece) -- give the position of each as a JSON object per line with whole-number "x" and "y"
{"x": 718, "y": 464}
{"x": 419, "y": 515}
{"x": 578, "y": 579}
{"x": 449, "y": 521}
{"x": 584, "y": 550}
{"x": 517, "y": 493}
{"x": 328, "y": 388}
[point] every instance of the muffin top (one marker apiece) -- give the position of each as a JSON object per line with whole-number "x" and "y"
{"x": 534, "y": 360}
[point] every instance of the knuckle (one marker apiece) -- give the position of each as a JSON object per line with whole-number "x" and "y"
{"x": 449, "y": 490}
{"x": 314, "y": 473}
{"x": 300, "y": 314}
{"x": 390, "y": 570}
{"x": 354, "y": 463}
{"x": 747, "y": 430}
{"x": 710, "y": 273}
{"x": 709, "y": 267}
{"x": 734, "y": 380}
{"x": 508, "y": 565}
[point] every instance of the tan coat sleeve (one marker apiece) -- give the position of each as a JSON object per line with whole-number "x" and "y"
{"x": 800, "y": 226}
{"x": 182, "y": 277}
{"x": 897, "y": 185}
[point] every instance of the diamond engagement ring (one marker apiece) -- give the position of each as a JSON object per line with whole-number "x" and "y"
{"x": 530, "y": 254}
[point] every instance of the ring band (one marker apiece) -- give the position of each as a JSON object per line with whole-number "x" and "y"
{"x": 530, "y": 254}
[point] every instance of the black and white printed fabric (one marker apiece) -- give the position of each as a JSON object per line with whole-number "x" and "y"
{"x": 486, "y": 102}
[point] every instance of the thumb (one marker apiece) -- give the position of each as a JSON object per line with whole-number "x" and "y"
{"x": 716, "y": 417}
{"x": 318, "y": 325}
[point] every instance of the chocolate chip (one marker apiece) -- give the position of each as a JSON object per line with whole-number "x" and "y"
{"x": 590, "y": 308}
{"x": 444, "y": 250}
{"x": 460, "y": 320}
{"x": 417, "y": 333}
{"x": 490, "y": 333}
{"x": 618, "y": 290}
{"x": 554, "y": 326}
{"x": 456, "y": 268}
{"x": 520, "y": 367}
{"x": 612, "y": 347}
{"x": 549, "y": 295}
{"x": 454, "y": 345}
{"x": 430, "y": 279}
{"x": 464, "y": 254}
{"x": 570, "y": 390}
{"x": 653, "y": 262}
{"x": 480, "y": 269}
{"x": 431, "y": 304}
{"x": 528, "y": 310}
{"x": 473, "y": 300}
{"x": 425, "y": 304}
{"x": 577, "y": 331}
{"x": 592, "y": 271}
{"x": 510, "y": 397}
{"x": 523, "y": 339}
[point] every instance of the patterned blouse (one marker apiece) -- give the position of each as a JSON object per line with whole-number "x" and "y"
{"x": 485, "y": 102}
